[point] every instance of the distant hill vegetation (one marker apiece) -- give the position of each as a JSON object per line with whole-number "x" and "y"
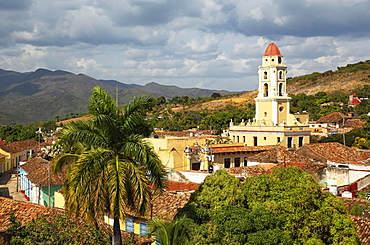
{"x": 42, "y": 95}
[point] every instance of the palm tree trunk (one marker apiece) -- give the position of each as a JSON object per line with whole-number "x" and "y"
{"x": 116, "y": 238}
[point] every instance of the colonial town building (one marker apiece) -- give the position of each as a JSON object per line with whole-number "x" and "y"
{"x": 273, "y": 123}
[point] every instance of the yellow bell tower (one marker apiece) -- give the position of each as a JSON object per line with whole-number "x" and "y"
{"x": 273, "y": 123}
{"x": 272, "y": 102}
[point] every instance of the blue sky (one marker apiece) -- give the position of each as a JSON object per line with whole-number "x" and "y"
{"x": 214, "y": 44}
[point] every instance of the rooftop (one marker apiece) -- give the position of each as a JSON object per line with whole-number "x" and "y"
{"x": 337, "y": 153}
{"x": 272, "y": 49}
{"x": 37, "y": 169}
{"x": 331, "y": 118}
{"x": 232, "y": 148}
{"x": 19, "y": 146}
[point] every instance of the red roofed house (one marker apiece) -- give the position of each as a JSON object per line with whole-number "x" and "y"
{"x": 17, "y": 151}
{"x": 345, "y": 164}
{"x": 26, "y": 212}
{"x": 34, "y": 181}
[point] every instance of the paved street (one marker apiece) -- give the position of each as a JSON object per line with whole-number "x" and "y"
{"x": 8, "y": 186}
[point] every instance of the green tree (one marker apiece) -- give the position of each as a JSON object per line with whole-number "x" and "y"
{"x": 285, "y": 207}
{"x": 110, "y": 176}
{"x": 356, "y": 210}
{"x": 58, "y": 230}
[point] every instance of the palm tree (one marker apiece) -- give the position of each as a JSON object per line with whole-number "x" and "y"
{"x": 109, "y": 162}
{"x": 174, "y": 232}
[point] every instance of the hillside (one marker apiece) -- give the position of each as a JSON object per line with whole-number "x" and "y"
{"x": 343, "y": 80}
{"x": 43, "y": 94}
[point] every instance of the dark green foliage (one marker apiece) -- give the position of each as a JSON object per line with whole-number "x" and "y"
{"x": 18, "y": 133}
{"x": 58, "y": 230}
{"x": 174, "y": 232}
{"x": 356, "y": 210}
{"x": 285, "y": 207}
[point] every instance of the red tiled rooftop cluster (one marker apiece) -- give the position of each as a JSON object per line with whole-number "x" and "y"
{"x": 180, "y": 186}
{"x": 362, "y": 225}
{"x": 232, "y": 148}
{"x": 333, "y": 117}
{"x": 19, "y": 146}
{"x": 248, "y": 171}
{"x": 38, "y": 173}
{"x": 338, "y": 153}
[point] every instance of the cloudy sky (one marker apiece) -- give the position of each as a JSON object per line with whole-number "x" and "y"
{"x": 214, "y": 44}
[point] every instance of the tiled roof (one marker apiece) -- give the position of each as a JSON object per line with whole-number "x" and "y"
{"x": 337, "y": 153}
{"x": 363, "y": 203}
{"x": 285, "y": 158}
{"x": 39, "y": 175}
{"x": 180, "y": 186}
{"x": 225, "y": 148}
{"x": 333, "y": 117}
{"x": 362, "y": 225}
{"x": 353, "y": 123}
{"x": 247, "y": 171}
{"x": 166, "y": 205}
{"x": 25, "y": 212}
{"x": 19, "y": 146}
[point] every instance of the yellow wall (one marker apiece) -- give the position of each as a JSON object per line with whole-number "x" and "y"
{"x": 171, "y": 151}
{"x": 58, "y": 200}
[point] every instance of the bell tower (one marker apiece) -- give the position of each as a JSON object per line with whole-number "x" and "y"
{"x": 272, "y": 102}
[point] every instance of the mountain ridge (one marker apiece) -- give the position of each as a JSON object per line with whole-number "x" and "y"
{"x": 44, "y": 94}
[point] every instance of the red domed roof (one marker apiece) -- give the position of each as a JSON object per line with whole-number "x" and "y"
{"x": 272, "y": 49}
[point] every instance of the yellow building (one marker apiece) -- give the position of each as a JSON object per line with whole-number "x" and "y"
{"x": 273, "y": 123}
{"x": 15, "y": 152}
{"x": 171, "y": 152}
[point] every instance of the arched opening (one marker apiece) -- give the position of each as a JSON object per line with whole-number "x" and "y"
{"x": 279, "y": 60}
{"x": 265, "y": 75}
{"x": 280, "y": 74}
{"x": 280, "y": 89}
{"x": 265, "y": 90}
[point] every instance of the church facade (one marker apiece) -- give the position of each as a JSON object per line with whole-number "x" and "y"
{"x": 273, "y": 123}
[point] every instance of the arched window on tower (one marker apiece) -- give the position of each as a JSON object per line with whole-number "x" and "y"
{"x": 279, "y": 60}
{"x": 280, "y": 74}
{"x": 265, "y": 90}
{"x": 265, "y": 75}
{"x": 280, "y": 89}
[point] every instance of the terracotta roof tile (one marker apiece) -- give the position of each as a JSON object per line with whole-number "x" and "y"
{"x": 232, "y": 148}
{"x": 333, "y": 117}
{"x": 247, "y": 171}
{"x": 39, "y": 175}
{"x": 354, "y": 123}
{"x": 19, "y": 146}
{"x": 180, "y": 186}
{"x": 362, "y": 225}
{"x": 25, "y": 212}
{"x": 336, "y": 152}
{"x": 165, "y": 206}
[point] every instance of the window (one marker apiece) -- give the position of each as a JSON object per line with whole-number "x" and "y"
{"x": 265, "y": 114}
{"x": 279, "y": 60}
{"x": 129, "y": 225}
{"x": 300, "y": 141}
{"x": 278, "y": 139}
{"x": 143, "y": 229}
{"x": 243, "y": 139}
{"x": 245, "y": 161}
{"x": 264, "y": 138}
{"x": 280, "y": 89}
{"x": 290, "y": 142}
{"x": 265, "y": 75}
{"x": 227, "y": 162}
{"x": 255, "y": 140}
{"x": 233, "y": 138}
{"x": 280, "y": 74}
{"x": 265, "y": 90}
{"x": 237, "y": 138}
{"x": 237, "y": 162}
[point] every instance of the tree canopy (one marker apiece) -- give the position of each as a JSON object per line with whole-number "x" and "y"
{"x": 285, "y": 207}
